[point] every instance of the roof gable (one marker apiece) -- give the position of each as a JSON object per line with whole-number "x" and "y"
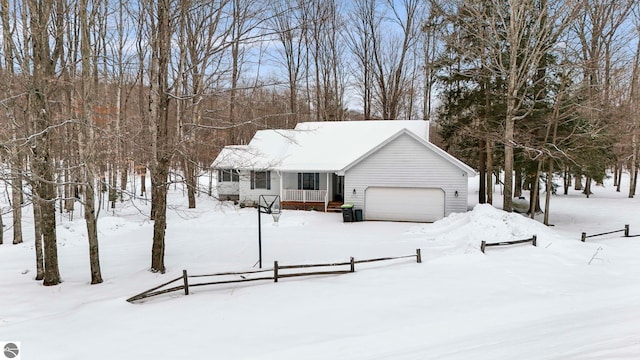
{"x": 436, "y": 150}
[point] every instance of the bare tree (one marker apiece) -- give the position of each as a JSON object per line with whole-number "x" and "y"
{"x": 161, "y": 137}
{"x": 290, "y": 31}
{"x": 634, "y": 99}
{"x": 597, "y": 30}
{"x": 384, "y": 45}
{"x": 205, "y": 33}
{"x": 44, "y": 60}
{"x": 87, "y": 138}
{"x": 323, "y": 43}
{"x": 16, "y": 153}
{"x": 360, "y": 44}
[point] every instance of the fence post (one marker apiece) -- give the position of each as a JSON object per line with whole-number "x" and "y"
{"x": 418, "y": 256}
{"x": 185, "y": 278}
{"x": 584, "y": 237}
{"x": 353, "y": 264}
{"x": 534, "y": 240}
{"x": 482, "y": 245}
{"x": 275, "y": 271}
{"x": 626, "y": 230}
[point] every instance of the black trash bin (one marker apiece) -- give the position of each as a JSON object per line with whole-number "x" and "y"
{"x": 347, "y": 212}
{"x": 357, "y": 213}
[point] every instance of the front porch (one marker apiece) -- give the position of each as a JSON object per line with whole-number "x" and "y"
{"x": 311, "y": 191}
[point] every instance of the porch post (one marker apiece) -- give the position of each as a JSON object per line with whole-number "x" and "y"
{"x": 282, "y": 198}
{"x": 326, "y": 195}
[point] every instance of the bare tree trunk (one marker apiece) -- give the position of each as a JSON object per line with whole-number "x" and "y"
{"x": 85, "y": 141}
{"x": 534, "y": 198}
{"x": 143, "y": 182}
{"x": 547, "y": 200}
{"x": 37, "y": 221}
{"x": 489, "y": 172}
{"x": 517, "y": 189}
{"x": 16, "y": 154}
{"x": 482, "y": 169}
{"x": 587, "y": 186}
{"x": 16, "y": 199}
{"x": 578, "y": 182}
{"x": 45, "y": 189}
{"x": 634, "y": 163}
{"x": 210, "y": 190}
{"x": 191, "y": 181}
{"x": 635, "y": 180}
{"x": 159, "y": 116}
{"x": 113, "y": 182}
{"x": 507, "y": 196}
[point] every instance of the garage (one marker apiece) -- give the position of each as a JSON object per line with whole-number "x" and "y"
{"x": 404, "y": 204}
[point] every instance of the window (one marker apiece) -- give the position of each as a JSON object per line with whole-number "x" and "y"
{"x": 308, "y": 181}
{"x": 228, "y": 175}
{"x": 261, "y": 180}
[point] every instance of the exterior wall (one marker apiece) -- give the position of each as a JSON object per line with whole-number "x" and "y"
{"x": 227, "y": 190}
{"x": 405, "y": 162}
{"x": 250, "y": 196}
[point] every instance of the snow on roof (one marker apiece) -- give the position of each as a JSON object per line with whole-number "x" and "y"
{"x": 264, "y": 151}
{"x": 315, "y": 146}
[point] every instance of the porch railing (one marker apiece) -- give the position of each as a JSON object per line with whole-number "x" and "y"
{"x": 304, "y": 195}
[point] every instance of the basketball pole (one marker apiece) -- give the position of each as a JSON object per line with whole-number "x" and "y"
{"x": 259, "y": 238}
{"x": 267, "y": 208}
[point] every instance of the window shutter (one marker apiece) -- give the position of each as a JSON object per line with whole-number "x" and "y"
{"x": 219, "y": 175}
{"x": 253, "y": 180}
{"x": 268, "y": 174}
{"x": 299, "y": 181}
{"x": 317, "y": 176}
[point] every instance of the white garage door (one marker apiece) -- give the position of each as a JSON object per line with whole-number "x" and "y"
{"x": 404, "y": 204}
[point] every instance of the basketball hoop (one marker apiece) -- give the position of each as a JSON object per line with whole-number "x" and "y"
{"x": 267, "y": 204}
{"x": 276, "y": 217}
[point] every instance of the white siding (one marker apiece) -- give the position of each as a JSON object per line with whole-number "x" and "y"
{"x": 404, "y": 162}
{"x": 250, "y": 196}
{"x": 228, "y": 189}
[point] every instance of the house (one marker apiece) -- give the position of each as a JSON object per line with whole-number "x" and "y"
{"x": 387, "y": 168}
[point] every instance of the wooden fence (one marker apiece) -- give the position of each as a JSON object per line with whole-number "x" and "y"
{"x": 533, "y": 240}
{"x": 584, "y": 235}
{"x": 277, "y": 272}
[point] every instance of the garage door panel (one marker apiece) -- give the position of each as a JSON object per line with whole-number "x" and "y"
{"x": 404, "y": 204}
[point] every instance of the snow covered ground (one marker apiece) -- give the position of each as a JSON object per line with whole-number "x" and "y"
{"x": 561, "y": 300}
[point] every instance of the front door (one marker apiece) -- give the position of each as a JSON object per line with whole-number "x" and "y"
{"x": 338, "y": 188}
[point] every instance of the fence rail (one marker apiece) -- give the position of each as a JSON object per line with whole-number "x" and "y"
{"x": 276, "y": 271}
{"x": 533, "y": 240}
{"x": 584, "y": 235}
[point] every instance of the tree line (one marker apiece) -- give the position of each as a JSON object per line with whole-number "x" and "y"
{"x": 97, "y": 91}
{"x": 537, "y": 88}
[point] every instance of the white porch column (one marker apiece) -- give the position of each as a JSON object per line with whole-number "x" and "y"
{"x": 326, "y": 195}
{"x": 281, "y": 187}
